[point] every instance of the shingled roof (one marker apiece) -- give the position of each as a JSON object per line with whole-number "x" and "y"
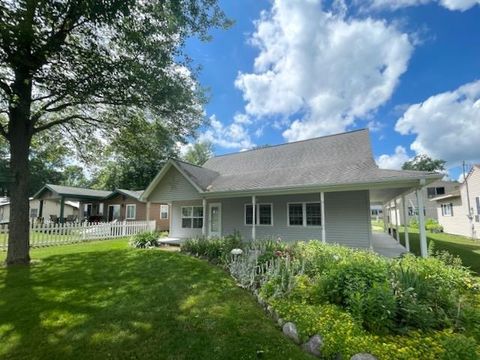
{"x": 73, "y": 192}
{"x": 340, "y": 159}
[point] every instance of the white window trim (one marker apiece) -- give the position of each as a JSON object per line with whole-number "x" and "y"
{"x": 191, "y": 217}
{"x": 168, "y": 212}
{"x": 304, "y": 213}
{"x": 257, "y": 214}
{"x": 134, "y": 211}
{"x": 444, "y": 206}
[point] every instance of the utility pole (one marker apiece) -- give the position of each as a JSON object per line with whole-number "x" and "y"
{"x": 470, "y": 216}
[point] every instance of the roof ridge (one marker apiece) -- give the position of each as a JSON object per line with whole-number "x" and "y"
{"x": 186, "y": 162}
{"x": 292, "y": 142}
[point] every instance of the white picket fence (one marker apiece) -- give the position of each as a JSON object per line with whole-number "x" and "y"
{"x": 49, "y": 234}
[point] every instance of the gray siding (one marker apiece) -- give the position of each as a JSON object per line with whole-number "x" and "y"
{"x": 173, "y": 187}
{"x": 346, "y": 214}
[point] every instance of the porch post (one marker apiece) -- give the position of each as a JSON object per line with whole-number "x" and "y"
{"x": 62, "y": 209}
{"x": 148, "y": 211}
{"x": 254, "y": 216}
{"x": 204, "y": 223}
{"x": 397, "y": 234}
{"x": 322, "y": 202}
{"x": 405, "y": 223}
{"x": 384, "y": 216}
{"x": 421, "y": 223}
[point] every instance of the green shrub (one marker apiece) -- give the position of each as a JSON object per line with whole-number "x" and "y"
{"x": 432, "y": 225}
{"x": 145, "y": 240}
{"x": 216, "y": 250}
{"x": 413, "y": 223}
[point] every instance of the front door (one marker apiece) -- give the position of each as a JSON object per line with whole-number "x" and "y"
{"x": 215, "y": 219}
{"x": 113, "y": 212}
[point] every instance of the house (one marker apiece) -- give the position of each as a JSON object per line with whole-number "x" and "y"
{"x": 437, "y": 188}
{"x": 459, "y": 210}
{"x": 320, "y": 188}
{"x": 102, "y": 205}
{"x": 49, "y": 208}
{"x": 126, "y": 205}
{"x": 62, "y": 194}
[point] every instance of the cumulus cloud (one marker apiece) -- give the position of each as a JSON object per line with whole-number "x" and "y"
{"x": 394, "y": 161}
{"x": 320, "y": 69}
{"x": 233, "y": 136}
{"x": 446, "y": 125}
{"x": 454, "y": 5}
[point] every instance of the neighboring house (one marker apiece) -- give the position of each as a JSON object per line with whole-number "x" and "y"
{"x": 102, "y": 205}
{"x": 376, "y": 212}
{"x": 126, "y": 205}
{"x": 313, "y": 189}
{"x": 50, "y": 208}
{"x": 434, "y": 189}
{"x": 453, "y": 207}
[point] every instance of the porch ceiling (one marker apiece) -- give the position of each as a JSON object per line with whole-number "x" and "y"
{"x": 381, "y": 196}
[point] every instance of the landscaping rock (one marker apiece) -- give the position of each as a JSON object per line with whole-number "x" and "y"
{"x": 280, "y": 322}
{"x": 290, "y": 331}
{"x": 363, "y": 356}
{"x": 314, "y": 345}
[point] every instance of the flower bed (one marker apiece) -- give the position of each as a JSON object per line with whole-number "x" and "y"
{"x": 360, "y": 302}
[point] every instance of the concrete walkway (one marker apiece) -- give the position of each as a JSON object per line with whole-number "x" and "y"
{"x": 386, "y": 245}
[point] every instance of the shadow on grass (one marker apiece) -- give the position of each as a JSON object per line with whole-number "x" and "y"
{"x": 131, "y": 304}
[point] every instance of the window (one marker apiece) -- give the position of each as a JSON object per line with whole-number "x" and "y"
{"x": 477, "y": 201}
{"x": 192, "y": 217}
{"x": 34, "y": 213}
{"x": 435, "y": 191}
{"x": 131, "y": 212}
{"x": 295, "y": 214}
{"x": 264, "y": 214}
{"x": 447, "y": 209}
{"x": 305, "y": 214}
{"x": 414, "y": 211}
{"x": 163, "y": 212}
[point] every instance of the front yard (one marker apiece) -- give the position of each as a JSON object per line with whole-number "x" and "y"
{"x": 103, "y": 300}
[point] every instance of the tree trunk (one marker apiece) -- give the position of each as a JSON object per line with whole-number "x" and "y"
{"x": 19, "y": 136}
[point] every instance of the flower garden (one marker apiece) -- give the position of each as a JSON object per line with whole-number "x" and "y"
{"x": 356, "y": 301}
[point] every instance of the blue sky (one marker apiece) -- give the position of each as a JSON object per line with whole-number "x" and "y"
{"x": 295, "y": 69}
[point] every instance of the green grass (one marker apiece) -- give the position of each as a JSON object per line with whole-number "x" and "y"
{"x": 103, "y": 300}
{"x": 468, "y": 250}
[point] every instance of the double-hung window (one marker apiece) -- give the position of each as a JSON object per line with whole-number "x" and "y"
{"x": 264, "y": 214}
{"x": 131, "y": 211}
{"x": 163, "y": 212}
{"x": 447, "y": 209}
{"x": 192, "y": 217}
{"x": 304, "y": 214}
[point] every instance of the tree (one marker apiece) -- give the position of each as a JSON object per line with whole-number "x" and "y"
{"x": 199, "y": 153}
{"x": 64, "y": 64}
{"x": 424, "y": 163}
{"x": 135, "y": 155}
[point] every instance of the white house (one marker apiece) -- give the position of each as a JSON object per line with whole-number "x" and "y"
{"x": 50, "y": 208}
{"x": 459, "y": 211}
{"x": 313, "y": 189}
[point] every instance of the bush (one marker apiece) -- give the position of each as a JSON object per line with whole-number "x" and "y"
{"x": 145, "y": 240}
{"x": 216, "y": 250}
{"x": 432, "y": 225}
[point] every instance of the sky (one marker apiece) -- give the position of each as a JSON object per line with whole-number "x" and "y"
{"x": 288, "y": 70}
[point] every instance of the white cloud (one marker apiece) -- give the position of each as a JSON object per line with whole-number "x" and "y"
{"x": 233, "y": 136}
{"x": 320, "y": 69}
{"x": 446, "y": 125}
{"x": 458, "y": 5}
{"x": 394, "y": 161}
{"x": 240, "y": 118}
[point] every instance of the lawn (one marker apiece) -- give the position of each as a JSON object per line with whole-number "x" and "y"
{"x": 468, "y": 250}
{"x": 103, "y": 300}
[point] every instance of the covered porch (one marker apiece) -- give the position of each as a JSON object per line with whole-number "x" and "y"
{"x": 68, "y": 193}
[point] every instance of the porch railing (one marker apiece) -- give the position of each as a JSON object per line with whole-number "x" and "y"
{"x": 48, "y": 234}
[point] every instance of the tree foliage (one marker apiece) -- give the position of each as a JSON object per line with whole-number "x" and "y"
{"x": 199, "y": 153}
{"x": 424, "y": 163}
{"x": 135, "y": 155}
{"x": 65, "y": 65}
